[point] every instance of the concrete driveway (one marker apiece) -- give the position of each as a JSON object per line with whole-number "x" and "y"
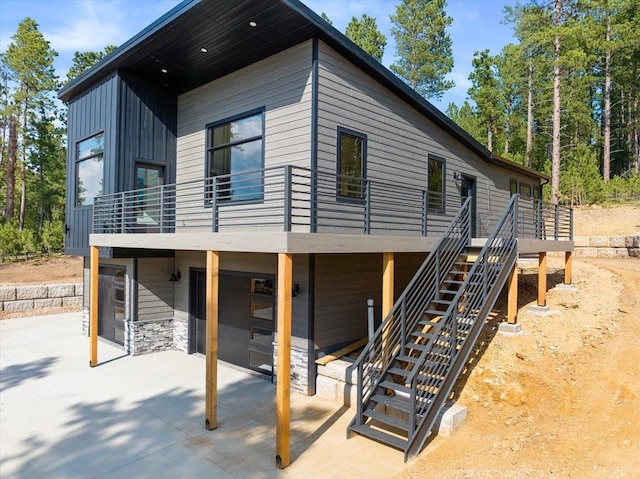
{"x": 143, "y": 416}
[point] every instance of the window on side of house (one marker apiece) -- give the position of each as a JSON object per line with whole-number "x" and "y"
{"x": 351, "y": 164}
{"x": 435, "y": 183}
{"x": 525, "y": 190}
{"x": 513, "y": 187}
{"x": 536, "y": 193}
{"x": 235, "y": 148}
{"x": 89, "y": 169}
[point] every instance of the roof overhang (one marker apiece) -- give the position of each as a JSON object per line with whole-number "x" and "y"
{"x": 199, "y": 41}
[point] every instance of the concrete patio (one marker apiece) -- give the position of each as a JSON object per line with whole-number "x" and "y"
{"x": 143, "y": 416}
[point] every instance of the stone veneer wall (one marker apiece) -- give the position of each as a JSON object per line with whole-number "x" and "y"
{"x": 148, "y": 336}
{"x": 607, "y": 246}
{"x": 181, "y": 335}
{"x": 299, "y": 368}
{"x": 40, "y": 296}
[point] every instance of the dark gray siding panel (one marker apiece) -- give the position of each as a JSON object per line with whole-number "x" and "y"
{"x": 147, "y": 128}
{"x": 90, "y": 113}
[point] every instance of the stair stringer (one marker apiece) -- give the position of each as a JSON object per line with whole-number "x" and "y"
{"x": 423, "y": 430}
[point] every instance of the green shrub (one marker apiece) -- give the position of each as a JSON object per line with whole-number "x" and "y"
{"x": 52, "y": 237}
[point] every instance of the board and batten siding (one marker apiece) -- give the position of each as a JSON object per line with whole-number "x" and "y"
{"x": 399, "y": 138}
{"x": 89, "y": 114}
{"x": 155, "y": 291}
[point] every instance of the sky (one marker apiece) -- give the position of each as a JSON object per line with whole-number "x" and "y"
{"x": 90, "y": 25}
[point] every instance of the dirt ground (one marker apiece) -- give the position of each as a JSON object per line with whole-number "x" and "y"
{"x": 561, "y": 400}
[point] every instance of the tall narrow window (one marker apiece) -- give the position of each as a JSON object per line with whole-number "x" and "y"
{"x": 435, "y": 183}
{"x": 525, "y": 190}
{"x": 89, "y": 169}
{"x": 513, "y": 187}
{"x": 352, "y": 154}
{"x": 234, "y": 148}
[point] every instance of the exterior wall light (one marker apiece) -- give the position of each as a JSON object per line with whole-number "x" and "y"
{"x": 175, "y": 276}
{"x": 457, "y": 176}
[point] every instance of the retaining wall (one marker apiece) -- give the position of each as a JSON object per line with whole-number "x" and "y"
{"x": 40, "y": 296}
{"x": 607, "y": 246}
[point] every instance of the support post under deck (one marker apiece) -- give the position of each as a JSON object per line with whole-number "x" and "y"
{"x": 568, "y": 261}
{"x": 542, "y": 279}
{"x": 283, "y": 370}
{"x": 211, "y": 393}
{"x": 512, "y": 308}
{"x": 93, "y": 306}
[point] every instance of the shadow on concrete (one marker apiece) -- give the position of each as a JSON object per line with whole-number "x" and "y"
{"x": 16, "y": 374}
{"x": 161, "y": 435}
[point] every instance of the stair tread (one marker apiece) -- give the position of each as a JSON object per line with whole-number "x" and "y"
{"x": 396, "y": 402}
{"x": 399, "y": 371}
{"x": 395, "y": 422}
{"x": 408, "y": 359}
{"x": 380, "y": 436}
{"x": 395, "y": 386}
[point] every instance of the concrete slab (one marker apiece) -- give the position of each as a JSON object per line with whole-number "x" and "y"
{"x": 143, "y": 416}
{"x": 565, "y": 288}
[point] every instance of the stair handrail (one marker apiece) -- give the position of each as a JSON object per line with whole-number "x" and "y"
{"x": 391, "y": 336}
{"x": 496, "y": 246}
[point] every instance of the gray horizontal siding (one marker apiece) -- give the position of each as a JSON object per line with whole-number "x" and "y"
{"x": 155, "y": 291}
{"x": 399, "y": 138}
{"x": 281, "y": 84}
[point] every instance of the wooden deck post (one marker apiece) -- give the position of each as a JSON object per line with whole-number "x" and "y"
{"x": 283, "y": 370}
{"x": 542, "y": 279}
{"x": 568, "y": 260}
{"x": 512, "y": 308}
{"x": 93, "y": 306}
{"x": 388, "y": 270}
{"x": 211, "y": 393}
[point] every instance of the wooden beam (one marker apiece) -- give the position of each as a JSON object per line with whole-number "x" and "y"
{"x": 211, "y": 394}
{"x": 542, "y": 279}
{"x": 283, "y": 370}
{"x": 388, "y": 267}
{"x": 324, "y": 360}
{"x": 512, "y": 308}
{"x": 568, "y": 262}
{"x": 93, "y": 306}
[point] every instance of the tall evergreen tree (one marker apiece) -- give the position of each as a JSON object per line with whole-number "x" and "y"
{"x": 423, "y": 46}
{"x": 29, "y": 59}
{"x": 364, "y": 33}
{"x": 486, "y": 93}
{"x": 82, "y": 61}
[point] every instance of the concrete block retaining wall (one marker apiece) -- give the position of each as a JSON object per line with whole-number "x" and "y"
{"x": 40, "y": 296}
{"x": 607, "y": 246}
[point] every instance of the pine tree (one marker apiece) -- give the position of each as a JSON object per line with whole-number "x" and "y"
{"x": 364, "y": 33}
{"x": 29, "y": 59}
{"x": 423, "y": 46}
{"x": 486, "y": 93}
{"x": 82, "y": 61}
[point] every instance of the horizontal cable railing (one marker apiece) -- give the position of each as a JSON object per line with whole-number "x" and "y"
{"x": 283, "y": 198}
{"x": 428, "y": 378}
{"x": 545, "y": 221}
{"x": 391, "y": 336}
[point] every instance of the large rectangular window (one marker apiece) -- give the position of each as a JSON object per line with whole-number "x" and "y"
{"x": 235, "y": 148}
{"x": 351, "y": 164}
{"x": 89, "y": 169}
{"x": 435, "y": 183}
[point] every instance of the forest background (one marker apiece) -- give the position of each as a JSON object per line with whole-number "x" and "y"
{"x": 563, "y": 99}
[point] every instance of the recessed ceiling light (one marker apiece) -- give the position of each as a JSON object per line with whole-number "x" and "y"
{"x": 164, "y": 70}
{"x": 252, "y": 24}
{"x": 204, "y": 50}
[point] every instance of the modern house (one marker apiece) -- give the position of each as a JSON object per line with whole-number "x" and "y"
{"x": 242, "y": 179}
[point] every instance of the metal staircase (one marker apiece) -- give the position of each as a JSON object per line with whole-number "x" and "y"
{"x": 408, "y": 369}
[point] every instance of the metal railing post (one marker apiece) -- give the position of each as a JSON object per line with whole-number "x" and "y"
{"x": 424, "y": 212}
{"x": 403, "y": 324}
{"x": 122, "y": 213}
{"x": 570, "y": 224}
{"x": 556, "y": 223}
{"x": 287, "y": 197}
{"x": 214, "y": 204}
{"x": 367, "y": 206}
{"x": 161, "y": 208}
